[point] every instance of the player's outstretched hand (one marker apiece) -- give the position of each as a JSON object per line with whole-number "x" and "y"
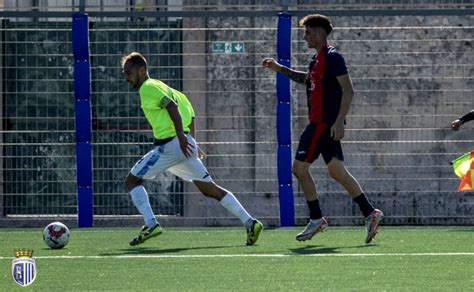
{"x": 456, "y": 124}
{"x": 270, "y": 63}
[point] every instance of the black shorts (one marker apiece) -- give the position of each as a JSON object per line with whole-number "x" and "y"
{"x": 316, "y": 139}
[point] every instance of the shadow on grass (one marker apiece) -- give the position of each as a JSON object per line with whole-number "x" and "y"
{"x": 315, "y": 249}
{"x": 157, "y": 250}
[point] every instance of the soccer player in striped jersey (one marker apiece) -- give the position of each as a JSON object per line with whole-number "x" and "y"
{"x": 329, "y": 94}
{"x": 171, "y": 117}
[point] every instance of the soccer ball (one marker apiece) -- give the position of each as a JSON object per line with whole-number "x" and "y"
{"x": 56, "y": 235}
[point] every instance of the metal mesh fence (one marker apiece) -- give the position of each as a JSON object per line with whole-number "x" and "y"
{"x": 412, "y": 76}
{"x": 38, "y": 119}
{"x": 38, "y": 149}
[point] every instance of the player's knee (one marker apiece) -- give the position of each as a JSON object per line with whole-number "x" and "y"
{"x": 298, "y": 172}
{"x": 132, "y": 181}
{"x": 295, "y": 172}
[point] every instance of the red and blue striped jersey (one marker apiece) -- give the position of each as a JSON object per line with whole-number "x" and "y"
{"x": 322, "y": 87}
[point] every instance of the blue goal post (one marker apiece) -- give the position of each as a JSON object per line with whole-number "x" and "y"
{"x": 83, "y": 125}
{"x": 283, "y": 121}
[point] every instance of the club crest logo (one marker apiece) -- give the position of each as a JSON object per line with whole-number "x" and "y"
{"x": 24, "y": 267}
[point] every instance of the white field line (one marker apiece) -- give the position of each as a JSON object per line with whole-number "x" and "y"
{"x": 237, "y": 229}
{"x": 144, "y": 256}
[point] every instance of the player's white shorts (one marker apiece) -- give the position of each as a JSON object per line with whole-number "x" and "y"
{"x": 170, "y": 157}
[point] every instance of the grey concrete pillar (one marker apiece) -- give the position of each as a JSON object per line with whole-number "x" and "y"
{"x": 194, "y": 86}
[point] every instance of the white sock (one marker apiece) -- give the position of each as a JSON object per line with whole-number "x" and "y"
{"x": 230, "y": 202}
{"x": 140, "y": 199}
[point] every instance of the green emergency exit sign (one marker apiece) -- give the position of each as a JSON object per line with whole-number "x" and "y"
{"x": 228, "y": 47}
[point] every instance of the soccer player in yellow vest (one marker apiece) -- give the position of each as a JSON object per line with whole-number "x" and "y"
{"x": 171, "y": 116}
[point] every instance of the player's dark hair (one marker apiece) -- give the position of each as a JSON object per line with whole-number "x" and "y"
{"x": 136, "y": 59}
{"x": 317, "y": 20}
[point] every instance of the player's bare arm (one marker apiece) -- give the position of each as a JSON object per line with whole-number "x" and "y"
{"x": 297, "y": 76}
{"x": 175, "y": 116}
{"x": 337, "y": 130}
{"x": 467, "y": 117}
{"x": 192, "y": 128}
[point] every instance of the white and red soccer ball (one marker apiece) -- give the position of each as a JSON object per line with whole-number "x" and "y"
{"x": 56, "y": 235}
